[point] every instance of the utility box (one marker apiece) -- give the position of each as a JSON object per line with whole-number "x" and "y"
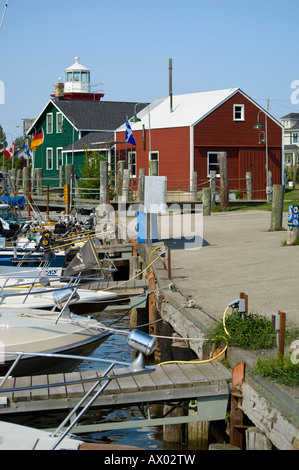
{"x": 155, "y": 189}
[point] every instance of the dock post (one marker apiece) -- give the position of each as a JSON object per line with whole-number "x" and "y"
{"x": 126, "y": 186}
{"x": 103, "y": 181}
{"x": 141, "y": 181}
{"x": 277, "y": 207}
{"x": 223, "y": 182}
{"x": 236, "y": 431}
{"x": 249, "y": 185}
{"x": 206, "y": 201}
{"x": 199, "y": 432}
{"x": 193, "y": 187}
{"x": 39, "y": 181}
{"x": 120, "y": 172}
{"x": 213, "y": 174}
{"x": 26, "y": 179}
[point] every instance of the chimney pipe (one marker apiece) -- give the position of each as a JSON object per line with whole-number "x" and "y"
{"x": 170, "y": 83}
{"x": 59, "y": 90}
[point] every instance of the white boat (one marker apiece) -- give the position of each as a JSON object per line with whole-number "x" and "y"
{"x": 26, "y": 329}
{"x": 17, "y": 437}
{"x": 85, "y": 302}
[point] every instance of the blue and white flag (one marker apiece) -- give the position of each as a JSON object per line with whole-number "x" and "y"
{"x": 129, "y": 134}
{"x": 26, "y": 148}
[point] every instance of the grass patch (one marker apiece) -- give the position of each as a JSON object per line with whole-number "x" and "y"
{"x": 250, "y": 331}
{"x": 245, "y": 331}
{"x": 280, "y": 369}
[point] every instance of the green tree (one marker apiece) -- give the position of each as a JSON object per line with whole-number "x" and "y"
{"x": 3, "y": 141}
{"x": 90, "y": 183}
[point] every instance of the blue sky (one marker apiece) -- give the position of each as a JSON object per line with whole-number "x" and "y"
{"x": 213, "y": 44}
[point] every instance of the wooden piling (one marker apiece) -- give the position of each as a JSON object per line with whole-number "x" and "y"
{"x": 206, "y": 201}
{"x": 277, "y": 207}
{"x": 223, "y": 181}
{"x": 236, "y": 431}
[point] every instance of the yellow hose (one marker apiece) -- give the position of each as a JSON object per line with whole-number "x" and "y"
{"x": 205, "y": 360}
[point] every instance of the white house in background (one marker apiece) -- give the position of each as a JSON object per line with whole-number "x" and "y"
{"x": 290, "y": 123}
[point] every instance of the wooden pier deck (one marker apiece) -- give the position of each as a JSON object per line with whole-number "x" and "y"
{"x": 208, "y": 384}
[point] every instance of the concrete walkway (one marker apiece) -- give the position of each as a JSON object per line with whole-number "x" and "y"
{"x": 240, "y": 254}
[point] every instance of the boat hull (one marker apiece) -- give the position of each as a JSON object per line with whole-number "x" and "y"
{"x": 51, "y": 365}
{"x": 36, "y": 332}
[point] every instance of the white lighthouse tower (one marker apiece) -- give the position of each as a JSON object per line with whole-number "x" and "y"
{"x": 77, "y": 84}
{"x": 77, "y": 78}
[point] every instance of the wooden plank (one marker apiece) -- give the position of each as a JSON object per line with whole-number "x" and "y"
{"x": 40, "y": 393}
{"x": 113, "y": 387}
{"x": 22, "y": 395}
{"x": 145, "y": 382}
{"x": 126, "y": 384}
{"x": 74, "y": 390}
{"x": 60, "y": 390}
{"x": 161, "y": 379}
{"x": 194, "y": 374}
{"x": 87, "y": 375}
{"x": 215, "y": 372}
{"x": 9, "y": 383}
{"x": 176, "y": 375}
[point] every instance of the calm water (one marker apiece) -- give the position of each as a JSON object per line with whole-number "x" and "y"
{"x": 116, "y": 347}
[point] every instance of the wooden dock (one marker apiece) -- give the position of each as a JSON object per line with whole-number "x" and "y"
{"x": 207, "y": 385}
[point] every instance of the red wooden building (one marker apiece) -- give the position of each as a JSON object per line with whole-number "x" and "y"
{"x": 186, "y": 133}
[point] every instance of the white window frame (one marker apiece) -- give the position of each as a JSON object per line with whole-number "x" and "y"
{"x": 132, "y": 163}
{"x": 294, "y": 137}
{"x": 57, "y": 155}
{"x": 242, "y": 106}
{"x": 59, "y": 128}
{"x": 49, "y": 123}
{"x": 151, "y": 153}
{"x": 49, "y": 150}
{"x": 208, "y": 165}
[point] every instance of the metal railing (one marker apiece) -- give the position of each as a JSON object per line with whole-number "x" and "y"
{"x": 130, "y": 368}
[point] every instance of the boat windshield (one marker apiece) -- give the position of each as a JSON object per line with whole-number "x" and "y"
{"x": 9, "y": 216}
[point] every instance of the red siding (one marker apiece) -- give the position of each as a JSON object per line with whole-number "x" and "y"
{"x": 173, "y": 146}
{"x": 219, "y": 128}
{"x": 218, "y": 132}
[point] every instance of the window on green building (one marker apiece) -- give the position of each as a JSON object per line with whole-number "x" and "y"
{"x": 49, "y": 154}
{"x": 59, "y": 123}
{"x": 49, "y": 123}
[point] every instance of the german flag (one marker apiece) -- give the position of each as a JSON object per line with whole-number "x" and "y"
{"x": 37, "y": 140}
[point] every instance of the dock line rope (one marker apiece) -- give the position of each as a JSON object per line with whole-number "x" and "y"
{"x": 134, "y": 277}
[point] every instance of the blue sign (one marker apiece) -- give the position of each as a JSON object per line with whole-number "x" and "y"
{"x": 293, "y": 217}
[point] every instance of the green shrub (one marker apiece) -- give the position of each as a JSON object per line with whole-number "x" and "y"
{"x": 250, "y": 331}
{"x": 280, "y": 369}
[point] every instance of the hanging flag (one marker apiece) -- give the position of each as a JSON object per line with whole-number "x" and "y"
{"x": 129, "y": 134}
{"x": 84, "y": 260}
{"x": 9, "y": 151}
{"x": 25, "y": 146}
{"x": 37, "y": 140}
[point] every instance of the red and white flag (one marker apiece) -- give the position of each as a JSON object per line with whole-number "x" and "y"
{"x": 9, "y": 151}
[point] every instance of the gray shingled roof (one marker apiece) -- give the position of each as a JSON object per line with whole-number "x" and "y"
{"x": 92, "y": 141}
{"x": 96, "y": 115}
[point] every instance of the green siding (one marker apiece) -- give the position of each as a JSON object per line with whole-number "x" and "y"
{"x": 54, "y": 140}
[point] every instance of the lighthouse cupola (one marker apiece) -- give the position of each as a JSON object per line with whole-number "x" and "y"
{"x": 77, "y": 78}
{"x": 77, "y": 84}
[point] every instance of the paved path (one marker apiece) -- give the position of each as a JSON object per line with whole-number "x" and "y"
{"x": 240, "y": 254}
